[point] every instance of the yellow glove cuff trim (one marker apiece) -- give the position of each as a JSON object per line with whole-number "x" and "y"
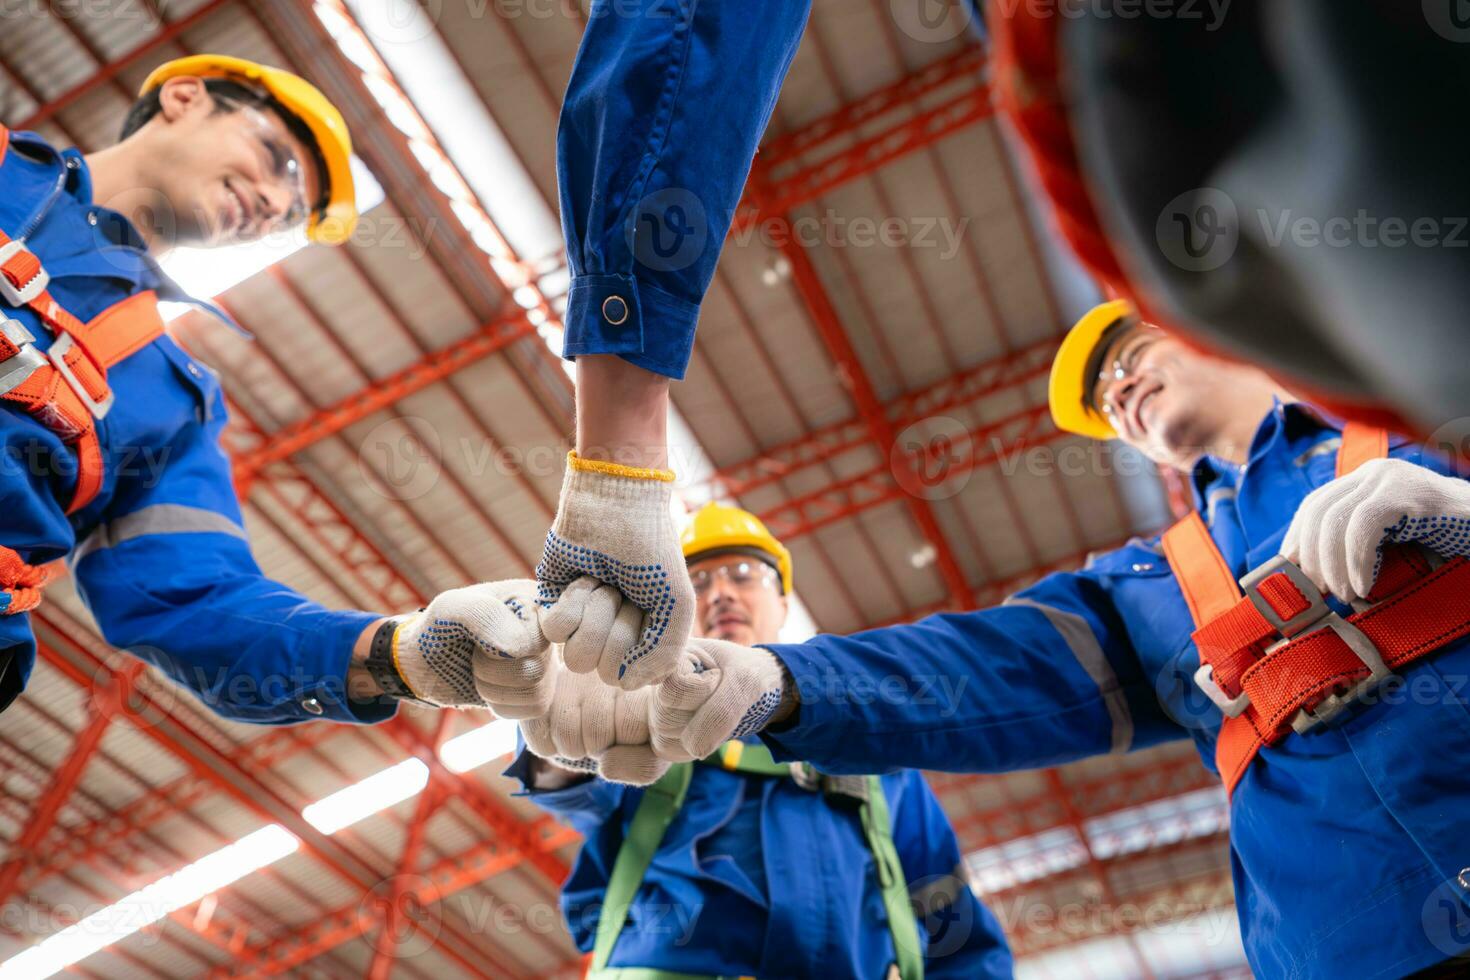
{"x": 617, "y": 469}
{"x": 399, "y": 667}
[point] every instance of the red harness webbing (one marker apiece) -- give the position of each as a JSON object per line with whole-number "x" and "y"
{"x": 1415, "y": 611}
{"x": 67, "y": 389}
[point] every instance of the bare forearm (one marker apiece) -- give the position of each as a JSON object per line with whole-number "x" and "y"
{"x": 622, "y": 412}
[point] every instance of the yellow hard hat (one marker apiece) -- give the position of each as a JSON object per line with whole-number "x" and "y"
{"x": 720, "y": 527}
{"x": 331, "y": 224}
{"x": 1074, "y": 371}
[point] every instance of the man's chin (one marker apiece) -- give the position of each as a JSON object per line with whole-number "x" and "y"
{"x": 735, "y": 634}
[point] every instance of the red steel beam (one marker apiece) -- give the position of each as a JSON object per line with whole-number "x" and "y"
{"x": 283, "y": 954}
{"x": 48, "y": 805}
{"x": 829, "y": 327}
{"x": 965, "y": 64}
{"x": 381, "y": 394}
{"x": 108, "y": 71}
{"x": 989, "y": 443}
{"x": 386, "y": 949}
{"x": 966, "y": 387}
{"x": 785, "y": 191}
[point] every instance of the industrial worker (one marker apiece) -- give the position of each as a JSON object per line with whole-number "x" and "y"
{"x": 1206, "y": 214}
{"x": 1340, "y": 735}
{"x": 110, "y": 431}
{"x": 738, "y": 865}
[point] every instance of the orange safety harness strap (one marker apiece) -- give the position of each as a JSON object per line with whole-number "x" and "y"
{"x": 1277, "y": 658}
{"x": 66, "y": 388}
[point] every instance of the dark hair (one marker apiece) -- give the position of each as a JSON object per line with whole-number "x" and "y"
{"x": 227, "y": 94}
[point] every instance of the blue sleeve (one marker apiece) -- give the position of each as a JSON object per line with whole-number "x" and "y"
{"x": 169, "y": 576}
{"x": 1049, "y": 677}
{"x": 964, "y": 940}
{"x": 666, "y": 105}
{"x": 584, "y": 806}
{"x": 594, "y": 808}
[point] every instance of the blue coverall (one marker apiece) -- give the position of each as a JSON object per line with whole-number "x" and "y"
{"x": 1347, "y": 843}
{"x": 160, "y": 555}
{"x": 759, "y": 877}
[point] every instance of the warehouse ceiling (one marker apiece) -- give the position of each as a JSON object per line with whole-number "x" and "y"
{"x": 869, "y": 377}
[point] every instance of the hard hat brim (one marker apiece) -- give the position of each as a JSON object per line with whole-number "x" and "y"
{"x": 1069, "y": 390}
{"x": 333, "y": 223}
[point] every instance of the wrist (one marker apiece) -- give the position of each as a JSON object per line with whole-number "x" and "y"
{"x": 546, "y": 775}
{"x": 787, "y": 713}
{"x": 361, "y": 686}
{"x": 622, "y": 412}
{"x": 379, "y": 662}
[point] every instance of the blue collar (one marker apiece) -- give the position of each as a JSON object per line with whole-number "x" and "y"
{"x": 1287, "y": 421}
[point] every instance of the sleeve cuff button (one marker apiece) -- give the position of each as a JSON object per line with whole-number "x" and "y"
{"x": 615, "y": 310}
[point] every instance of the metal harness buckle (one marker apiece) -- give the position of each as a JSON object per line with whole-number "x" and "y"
{"x": 22, "y": 364}
{"x": 25, "y": 294}
{"x": 1204, "y": 679}
{"x": 57, "y": 354}
{"x": 1316, "y": 617}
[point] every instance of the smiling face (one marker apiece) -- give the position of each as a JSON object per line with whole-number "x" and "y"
{"x": 738, "y": 598}
{"x": 226, "y": 176}
{"x": 1175, "y": 404}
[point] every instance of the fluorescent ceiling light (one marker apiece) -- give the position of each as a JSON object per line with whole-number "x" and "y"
{"x": 426, "y": 70}
{"x": 475, "y": 748}
{"x": 365, "y": 798}
{"x": 149, "y": 904}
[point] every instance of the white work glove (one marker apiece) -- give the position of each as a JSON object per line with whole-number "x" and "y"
{"x": 592, "y": 727}
{"x": 1338, "y": 533}
{"x": 720, "y": 691}
{"x": 613, "y": 528}
{"x": 478, "y": 647}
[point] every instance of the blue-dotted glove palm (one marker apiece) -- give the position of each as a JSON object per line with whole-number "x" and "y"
{"x": 1338, "y": 533}
{"x": 612, "y": 581}
{"x": 478, "y": 647}
{"x": 721, "y": 691}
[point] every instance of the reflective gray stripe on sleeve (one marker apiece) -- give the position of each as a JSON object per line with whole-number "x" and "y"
{"x": 1089, "y": 654}
{"x": 930, "y": 895}
{"x": 158, "y": 519}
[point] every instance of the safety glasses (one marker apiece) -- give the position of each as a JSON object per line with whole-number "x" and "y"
{"x": 282, "y": 165}
{"x": 743, "y": 574}
{"x": 1120, "y": 363}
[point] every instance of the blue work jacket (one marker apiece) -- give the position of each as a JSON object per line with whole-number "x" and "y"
{"x": 160, "y": 556}
{"x": 1347, "y": 843}
{"x": 759, "y": 877}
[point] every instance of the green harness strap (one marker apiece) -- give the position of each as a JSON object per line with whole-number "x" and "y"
{"x": 661, "y": 802}
{"x": 655, "y": 812}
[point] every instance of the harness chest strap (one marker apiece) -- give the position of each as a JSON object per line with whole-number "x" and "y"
{"x": 66, "y": 388}
{"x": 1267, "y": 688}
{"x": 661, "y": 803}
